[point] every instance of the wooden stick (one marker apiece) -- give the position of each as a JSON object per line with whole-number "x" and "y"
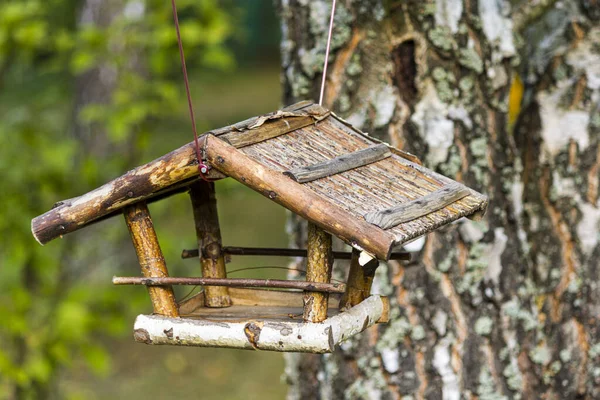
{"x": 279, "y": 252}
{"x": 318, "y": 269}
{"x": 360, "y": 280}
{"x": 339, "y": 164}
{"x": 298, "y": 198}
{"x": 150, "y": 257}
{"x": 414, "y": 209}
{"x": 323, "y": 287}
{"x": 208, "y": 233}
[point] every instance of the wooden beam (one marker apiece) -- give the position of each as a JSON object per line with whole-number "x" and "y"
{"x": 136, "y": 185}
{"x": 159, "y": 177}
{"x": 414, "y": 209}
{"x": 280, "y": 252}
{"x": 316, "y": 286}
{"x": 339, "y": 164}
{"x": 359, "y": 282}
{"x": 150, "y": 257}
{"x": 208, "y": 233}
{"x": 298, "y": 199}
{"x": 319, "y": 266}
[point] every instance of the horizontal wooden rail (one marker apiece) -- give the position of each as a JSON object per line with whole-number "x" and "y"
{"x": 414, "y": 209}
{"x": 232, "y": 282}
{"x": 340, "y": 164}
{"x": 280, "y": 252}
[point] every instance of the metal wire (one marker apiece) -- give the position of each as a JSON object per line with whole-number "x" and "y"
{"x": 327, "y": 54}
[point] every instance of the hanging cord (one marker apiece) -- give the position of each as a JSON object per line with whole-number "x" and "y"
{"x": 327, "y": 54}
{"x": 202, "y": 168}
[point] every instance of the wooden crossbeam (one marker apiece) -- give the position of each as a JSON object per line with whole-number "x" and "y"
{"x": 280, "y": 252}
{"x": 320, "y": 287}
{"x": 414, "y": 209}
{"x": 339, "y": 164}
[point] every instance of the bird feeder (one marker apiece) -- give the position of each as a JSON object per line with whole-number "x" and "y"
{"x": 370, "y": 195}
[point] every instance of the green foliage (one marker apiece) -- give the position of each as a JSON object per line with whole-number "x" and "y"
{"x": 48, "y": 315}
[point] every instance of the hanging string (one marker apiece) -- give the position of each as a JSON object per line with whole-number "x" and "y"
{"x": 327, "y": 54}
{"x": 187, "y": 88}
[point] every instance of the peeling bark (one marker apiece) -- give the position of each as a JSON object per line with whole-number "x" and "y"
{"x": 506, "y": 307}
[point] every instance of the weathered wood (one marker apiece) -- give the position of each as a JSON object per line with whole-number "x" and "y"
{"x": 347, "y": 126}
{"x": 316, "y": 286}
{"x": 261, "y": 333}
{"x": 359, "y": 282}
{"x": 208, "y": 233}
{"x": 298, "y": 199}
{"x": 279, "y": 252}
{"x": 319, "y": 266}
{"x": 136, "y": 185}
{"x": 159, "y": 177}
{"x": 150, "y": 257}
{"x": 339, "y": 164}
{"x": 434, "y": 201}
{"x": 274, "y": 124}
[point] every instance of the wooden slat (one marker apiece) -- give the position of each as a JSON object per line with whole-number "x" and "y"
{"x": 272, "y": 125}
{"x": 414, "y": 209}
{"x": 339, "y": 164}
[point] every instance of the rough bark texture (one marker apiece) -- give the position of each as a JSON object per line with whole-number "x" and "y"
{"x": 208, "y": 232}
{"x": 319, "y": 265}
{"x": 505, "y": 98}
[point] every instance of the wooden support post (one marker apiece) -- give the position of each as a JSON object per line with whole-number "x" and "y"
{"x": 318, "y": 269}
{"x": 208, "y": 233}
{"x": 360, "y": 280}
{"x": 150, "y": 257}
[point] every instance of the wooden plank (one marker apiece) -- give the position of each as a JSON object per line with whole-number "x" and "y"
{"x": 339, "y": 164}
{"x": 316, "y": 286}
{"x": 298, "y": 198}
{"x": 150, "y": 257}
{"x": 414, "y": 209}
{"x": 272, "y": 126}
{"x": 208, "y": 234}
{"x": 280, "y": 252}
{"x": 257, "y": 298}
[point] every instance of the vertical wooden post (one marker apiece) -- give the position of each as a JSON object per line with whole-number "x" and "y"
{"x": 208, "y": 233}
{"x": 150, "y": 257}
{"x": 318, "y": 269}
{"x": 360, "y": 280}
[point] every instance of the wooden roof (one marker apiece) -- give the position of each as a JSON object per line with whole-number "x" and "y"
{"x": 307, "y": 159}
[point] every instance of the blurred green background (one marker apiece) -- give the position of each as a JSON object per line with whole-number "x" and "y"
{"x": 88, "y": 90}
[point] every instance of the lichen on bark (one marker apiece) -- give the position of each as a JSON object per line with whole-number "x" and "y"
{"x": 502, "y": 308}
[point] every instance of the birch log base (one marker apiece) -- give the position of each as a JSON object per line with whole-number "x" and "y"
{"x": 261, "y": 333}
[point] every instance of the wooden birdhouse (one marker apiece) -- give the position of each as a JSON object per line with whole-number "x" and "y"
{"x": 343, "y": 182}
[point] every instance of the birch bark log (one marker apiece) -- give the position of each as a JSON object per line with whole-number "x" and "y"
{"x": 505, "y": 97}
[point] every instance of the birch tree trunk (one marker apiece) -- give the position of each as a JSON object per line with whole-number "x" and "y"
{"x": 505, "y": 97}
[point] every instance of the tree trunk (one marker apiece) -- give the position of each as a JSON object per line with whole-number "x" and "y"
{"x": 505, "y": 98}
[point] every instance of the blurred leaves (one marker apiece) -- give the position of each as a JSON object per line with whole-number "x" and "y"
{"x": 49, "y": 317}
